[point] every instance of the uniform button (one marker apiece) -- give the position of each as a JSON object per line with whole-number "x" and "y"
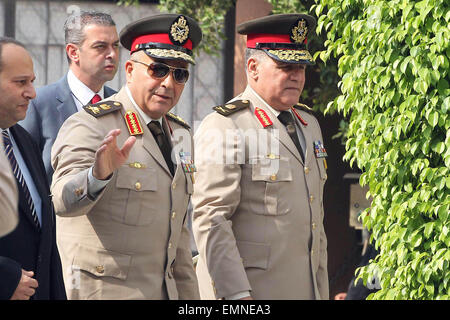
{"x": 170, "y": 245}
{"x": 174, "y": 214}
{"x": 306, "y": 170}
{"x": 313, "y": 226}
{"x": 100, "y": 269}
{"x": 174, "y": 185}
{"x": 311, "y": 198}
{"x": 273, "y": 177}
{"x": 79, "y": 191}
{"x": 312, "y": 252}
{"x": 138, "y": 186}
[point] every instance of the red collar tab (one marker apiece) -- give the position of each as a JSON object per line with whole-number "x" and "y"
{"x": 299, "y": 117}
{"x": 168, "y": 125}
{"x": 263, "y": 117}
{"x": 159, "y": 38}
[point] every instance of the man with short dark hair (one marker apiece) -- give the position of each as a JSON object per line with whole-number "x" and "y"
{"x": 258, "y": 200}
{"x": 92, "y": 49}
{"x": 30, "y": 266}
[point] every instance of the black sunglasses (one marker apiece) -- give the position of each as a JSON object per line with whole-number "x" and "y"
{"x": 160, "y": 70}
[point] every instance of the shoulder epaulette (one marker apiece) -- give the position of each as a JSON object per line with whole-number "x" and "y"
{"x": 178, "y": 120}
{"x": 101, "y": 108}
{"x": 304, "y": 107}
{"x": 232, "y": 107}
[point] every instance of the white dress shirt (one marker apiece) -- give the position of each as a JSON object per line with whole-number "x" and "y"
{"x": 82, "y": 94}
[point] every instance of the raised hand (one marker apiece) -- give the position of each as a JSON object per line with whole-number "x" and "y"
{"x": 109, "y": 157}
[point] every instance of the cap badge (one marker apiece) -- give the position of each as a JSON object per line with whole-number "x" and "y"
{"x": 179, "y": 31}
{"x": 299, "y": 31}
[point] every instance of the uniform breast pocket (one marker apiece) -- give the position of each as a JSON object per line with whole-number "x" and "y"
{"x": 132, "y": 200}
{"x": 270, "y": 179}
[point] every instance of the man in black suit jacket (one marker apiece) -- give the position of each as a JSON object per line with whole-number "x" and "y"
{"x": 92, "y": 48}
{"x": 30, "y": 266}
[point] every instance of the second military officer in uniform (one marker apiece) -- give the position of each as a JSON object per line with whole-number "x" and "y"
{"x": 261, "y": 168}
{"x": 123, "y": 175}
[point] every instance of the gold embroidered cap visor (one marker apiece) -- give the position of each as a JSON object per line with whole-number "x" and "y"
{"x": 163, "y": 36}
{"x": 291, "y": 56}
{"x": 281, "y": 36}
{"x": 169, "y": 54}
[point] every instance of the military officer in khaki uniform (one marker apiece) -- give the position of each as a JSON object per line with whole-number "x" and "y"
{"x": 261, "y": 169}
{"x": 123, "y": 175}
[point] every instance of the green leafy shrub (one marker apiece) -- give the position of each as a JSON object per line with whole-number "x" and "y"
{"x": 393, "y": 59}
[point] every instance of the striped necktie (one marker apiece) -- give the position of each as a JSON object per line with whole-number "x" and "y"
{"x": 19, "y": 177}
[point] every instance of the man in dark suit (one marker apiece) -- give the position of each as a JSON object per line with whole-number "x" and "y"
{"x": 30, "y": 266}
{"x": 92, "y": 48}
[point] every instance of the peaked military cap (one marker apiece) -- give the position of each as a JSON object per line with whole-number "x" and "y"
{"x": 164, "y": 36}
{"x": 282, "y": 36}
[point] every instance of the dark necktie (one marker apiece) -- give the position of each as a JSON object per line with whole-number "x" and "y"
{"x": 96, "y": 99}
{"x": 287, "y": 119}
{"x": 163, "y": 143}
{"x": 19, "y": 177}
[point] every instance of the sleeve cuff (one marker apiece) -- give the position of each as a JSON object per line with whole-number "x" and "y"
{"x": 95, "y": 186}
{"x": 238, "y": 295}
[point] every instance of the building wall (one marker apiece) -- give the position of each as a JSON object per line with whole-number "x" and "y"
{"x": 245, "y": 10}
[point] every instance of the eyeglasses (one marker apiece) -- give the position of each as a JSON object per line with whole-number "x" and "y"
{"x": 160, "y": 70}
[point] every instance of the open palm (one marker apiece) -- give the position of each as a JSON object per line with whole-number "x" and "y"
{"x": 109, "y": 157}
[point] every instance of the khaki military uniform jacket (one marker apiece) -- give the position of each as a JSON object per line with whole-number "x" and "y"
{"x": 258, "y": 222}
{"x": 131, "y": 241}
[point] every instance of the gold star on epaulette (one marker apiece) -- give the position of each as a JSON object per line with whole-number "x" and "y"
{"x": 178, "y": 120}
{"x": 100, "y": 109}
{"x": 303, "y": 106}
{"x": 232, "y": 107}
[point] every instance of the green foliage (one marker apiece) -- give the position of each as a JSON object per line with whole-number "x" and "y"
{"x": 210, "y": 15}
{"x": 393, "y": 59}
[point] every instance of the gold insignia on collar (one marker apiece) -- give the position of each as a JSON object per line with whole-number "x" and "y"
{"x": 299, "y": 31}
{"x": 133, "y": 124}
{"x": 179, "y": 31}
